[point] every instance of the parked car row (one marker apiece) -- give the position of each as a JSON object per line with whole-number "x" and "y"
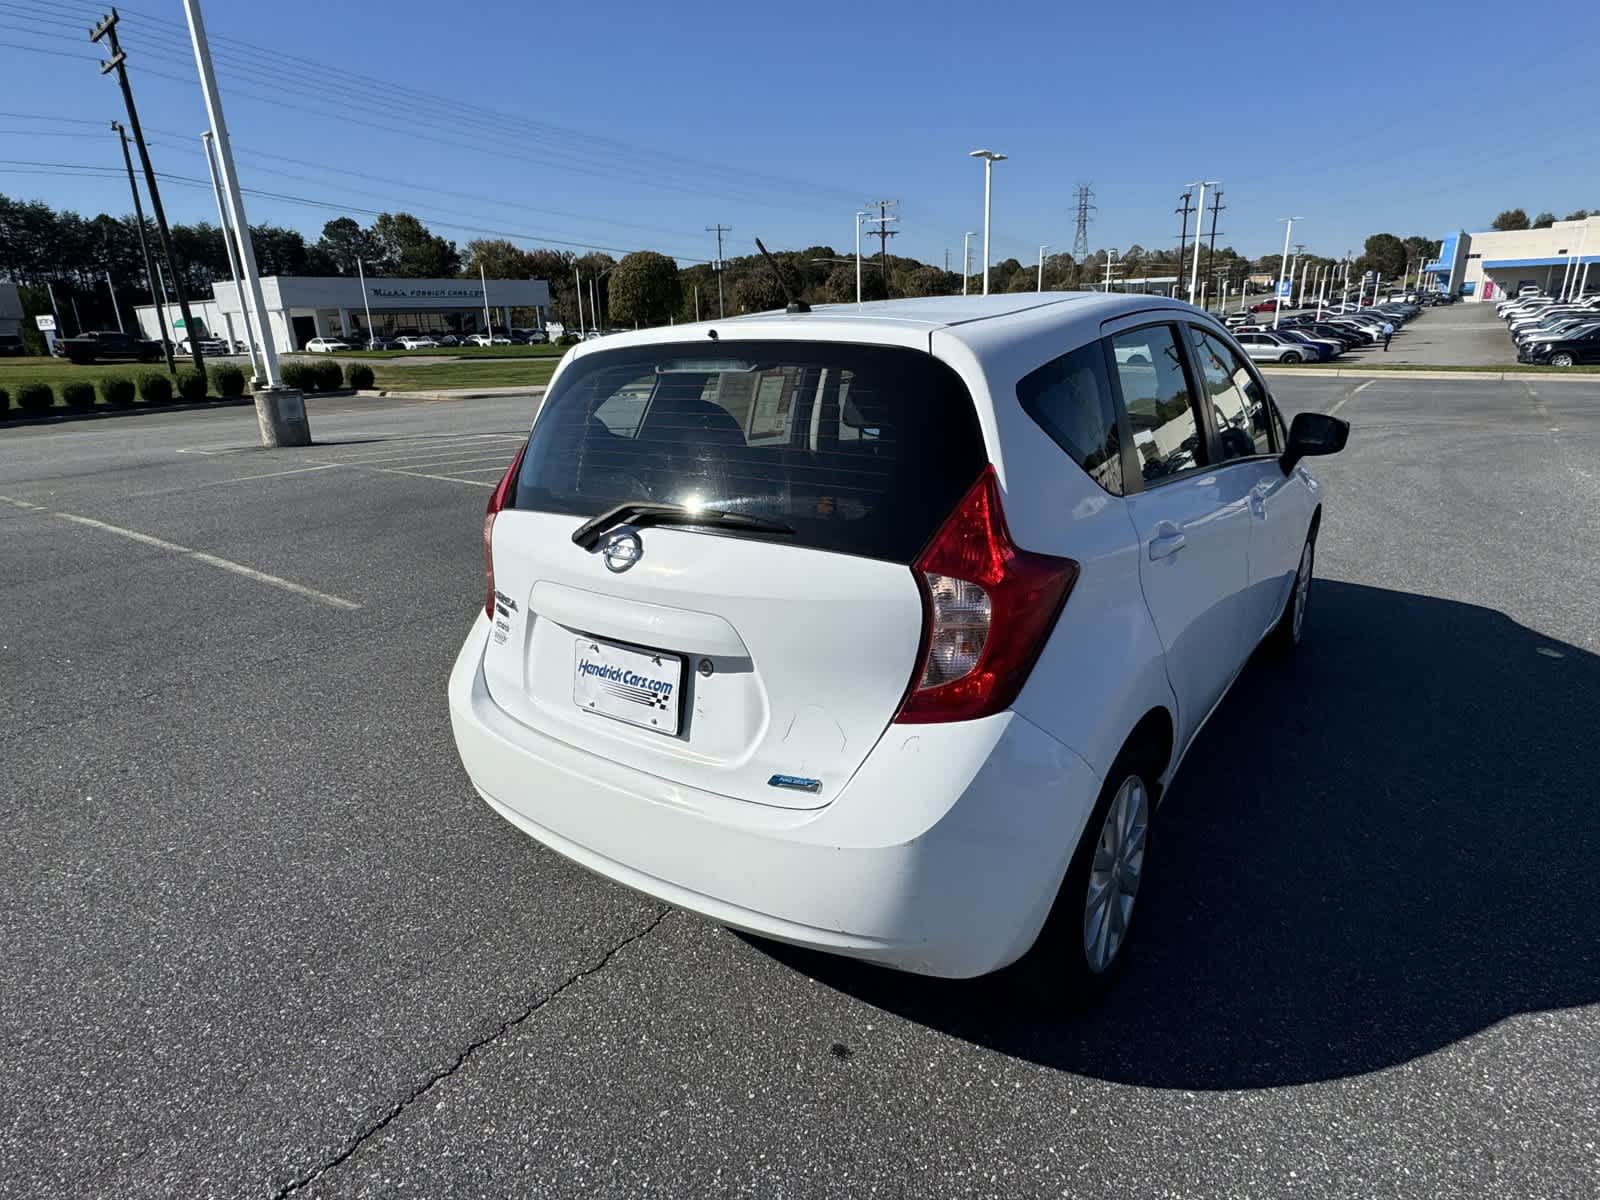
{"x": 1317, "y": 335}
{"x": 426, "y": 341}
{"x": 1551, "y": 331}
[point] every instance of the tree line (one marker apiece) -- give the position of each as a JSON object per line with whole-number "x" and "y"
{"x": 40, "y": 245}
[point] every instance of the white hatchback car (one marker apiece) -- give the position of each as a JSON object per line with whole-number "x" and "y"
{"x": 326, "y": 345}
{"x": 881, "y": 629}
{"x": 417, "y": 343}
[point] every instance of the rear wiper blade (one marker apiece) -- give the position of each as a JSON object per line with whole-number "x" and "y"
{"x": 639, "y": 513}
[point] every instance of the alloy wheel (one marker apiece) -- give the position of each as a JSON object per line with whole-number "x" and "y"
{"x": 1115, "y": 873}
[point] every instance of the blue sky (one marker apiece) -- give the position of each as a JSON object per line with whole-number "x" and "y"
{"x": 635, "y": 125}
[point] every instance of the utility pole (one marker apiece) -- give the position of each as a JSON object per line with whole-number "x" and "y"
{"x": 966, "y": 258}
{"x": 577, "y": 284}
{"x": 1183, "y": 233}
{"x": 118, "y": 62}
{"x": 883, "y": 234}
{"x": 719, "y": 229}
{"x": 144, "y": 249}
{"x": 1211, "y": 251}
{"x": 233, "y": 264}
{"x": 1042, "y": 249}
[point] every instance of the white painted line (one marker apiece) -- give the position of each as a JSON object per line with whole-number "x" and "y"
{"x": 418, "y": 458}
{"x": 425, "y": 475}
{"x": 212, "y": 560}
{"x": 1337, "y": 405}
{"x": 23, "y": 504}
{"x": 220, "y": 482}
{"x": 1364, "y": 386}
{"x": 433, "y": 464}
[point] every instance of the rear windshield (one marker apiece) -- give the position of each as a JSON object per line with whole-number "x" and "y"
{"x": 860, "y": 449}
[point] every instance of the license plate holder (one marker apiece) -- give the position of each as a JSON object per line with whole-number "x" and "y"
{"x": 632, "y": 684}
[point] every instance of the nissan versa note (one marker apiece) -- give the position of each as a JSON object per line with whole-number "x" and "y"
{"x": 881, "y": 629}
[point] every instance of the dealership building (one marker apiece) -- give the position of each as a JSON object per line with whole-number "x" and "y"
{"x": 1493, "y": 265}
{"x": 301, "y": 307}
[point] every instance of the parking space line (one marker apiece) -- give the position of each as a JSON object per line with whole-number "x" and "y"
{"x": 236, "y": 479}
{"x": 500, "y": 457}
{"x": 211, "y": 560}
{"x": 415, "y": 459}
{"x": 425, "y": 475}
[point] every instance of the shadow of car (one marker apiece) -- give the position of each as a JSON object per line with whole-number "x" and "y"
{"x": 1370, "y": 853}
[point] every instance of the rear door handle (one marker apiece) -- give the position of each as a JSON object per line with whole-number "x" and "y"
{"x": 1168, "y": 539}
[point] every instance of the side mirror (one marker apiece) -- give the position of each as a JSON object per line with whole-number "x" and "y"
{"x": 1313, "y": 433}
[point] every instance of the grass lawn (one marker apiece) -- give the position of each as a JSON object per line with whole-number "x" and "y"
{"x": 508, "y": 372}
{"x": 464, "y": 352}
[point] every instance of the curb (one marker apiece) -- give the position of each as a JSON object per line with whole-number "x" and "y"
{"x": 1426, "y": 373}
{"x": 458, "y": 393}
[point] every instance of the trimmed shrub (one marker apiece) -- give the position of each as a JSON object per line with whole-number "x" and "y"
{"x": 35, "y": 397}
{"x": 155, "y": 388}
{"x": 79, "y": 393}
{"x": 299, "y": 376}
{"x": 330, "y": 375}
{"x": 228, "y": 380}
{"x": 192, "y": 385}
{"x": 358, "y": 376}
{"x": 568, "y": 339}
{"x": 117, "y": 389}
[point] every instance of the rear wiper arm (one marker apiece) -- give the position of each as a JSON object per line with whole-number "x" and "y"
{"x": 639, "y": 513}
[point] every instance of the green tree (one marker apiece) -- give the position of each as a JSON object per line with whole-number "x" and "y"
{"x": 1544, "y": 220}
{"x": 1579, "y": 215}
{"x": 926, "y": 281}
{"x": 1385, "y": 254}
{"x": 840, "y": 286}
{"x": 758, "y": 290}
{"x": 408, "y": 250}
{"x": 498, "y": 258}
{"x": 1512, "y": 218}
{"x": 343, "y": 241}
{"x": 644, "y": 289}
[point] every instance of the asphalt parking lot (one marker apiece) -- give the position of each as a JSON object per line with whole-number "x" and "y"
{"x": 261, "y": 939}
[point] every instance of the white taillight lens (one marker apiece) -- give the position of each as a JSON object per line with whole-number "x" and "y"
{"x": 958, "y": 627}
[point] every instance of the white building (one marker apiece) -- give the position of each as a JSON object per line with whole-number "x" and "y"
{"x": 1493, "y": 265}
{"x": 301, "y": 307}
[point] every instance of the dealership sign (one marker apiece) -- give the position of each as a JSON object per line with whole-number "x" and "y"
{"x": 428, "y": 293}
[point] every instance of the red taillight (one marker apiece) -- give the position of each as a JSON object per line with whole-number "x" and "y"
{"x": 497, "y": 501}
{"x": 987, "y": 608}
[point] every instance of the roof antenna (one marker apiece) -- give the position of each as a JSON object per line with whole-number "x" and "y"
{"x": 795, "y": 305}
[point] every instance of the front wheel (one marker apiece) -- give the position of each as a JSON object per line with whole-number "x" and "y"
{"x": 1561, "y": 360}
{"x": 1291, "y": 357}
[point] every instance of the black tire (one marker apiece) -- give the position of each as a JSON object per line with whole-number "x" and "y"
{"x": 1286, "y": 635}
{"x": 1291, "y": 357}
{"x": 1057, "y": 972}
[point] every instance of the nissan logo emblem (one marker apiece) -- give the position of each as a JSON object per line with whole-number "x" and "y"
{"x": 622, "y": 551}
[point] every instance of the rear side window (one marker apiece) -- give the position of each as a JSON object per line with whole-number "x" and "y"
{"x": 1155, "y": 391}
{"x": 860, "y": 449}
{"x": 1070, "y": 399}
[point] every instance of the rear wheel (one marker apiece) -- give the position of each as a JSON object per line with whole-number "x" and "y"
{"x": 1561, "y": 360}
{"x": 1291, "y": 357}
{"x": 1285, "y": 635}
{"x": 1085, "y": 940}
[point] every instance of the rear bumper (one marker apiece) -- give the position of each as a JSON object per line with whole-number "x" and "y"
{"x": 941, "y": 856}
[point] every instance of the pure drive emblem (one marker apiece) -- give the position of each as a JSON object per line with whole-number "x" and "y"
{"x": 622, "y": 551}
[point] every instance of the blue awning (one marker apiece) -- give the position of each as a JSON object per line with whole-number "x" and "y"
{"x": 1510, "y": 264}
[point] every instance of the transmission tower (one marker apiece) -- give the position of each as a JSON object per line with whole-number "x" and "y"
{"x": 1080, "y": 241}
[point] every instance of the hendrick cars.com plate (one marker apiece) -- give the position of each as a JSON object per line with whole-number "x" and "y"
{"x": 637, "y": 686}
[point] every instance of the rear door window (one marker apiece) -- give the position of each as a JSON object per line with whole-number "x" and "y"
{"x": 1155, "y": 392}
{"x": 860, "y": 449}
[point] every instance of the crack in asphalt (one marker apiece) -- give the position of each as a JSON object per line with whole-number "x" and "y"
{"x": 437, "y": 1077}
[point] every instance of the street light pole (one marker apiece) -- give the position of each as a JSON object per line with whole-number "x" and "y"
{"x": 859, "y": 215}
{"x": 366, "y": 307}
{"x": 1042, "y": 249}
{"x": 233, "y": 257}
{"x": 1194, "y": 271}
{"x": 989, "y": 159}
{"x": 1283, "y": 267}
{"x": 110, "y": 287}
{"x": 966, "y": 259}
{"x": 280, "y": 411}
